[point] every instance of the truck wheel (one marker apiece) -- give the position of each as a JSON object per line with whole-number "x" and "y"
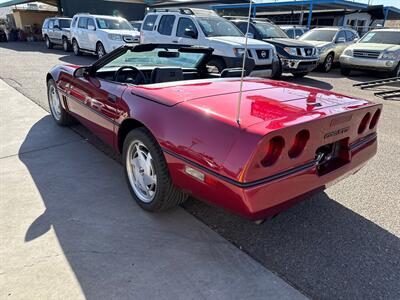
{"x": 100, "y": 51}
{"x": 278, "y": 73}
{"x": 300, "y": 74}
{"x": 75, "y": 47}
{"x": 345, "y": 71}
{"x": 218, "y": 63}
{"x": 66, "y": 45}
{"x": 328, "y": 62}
{"x": 49, "y": 44}
{"x": 147, "y": 174}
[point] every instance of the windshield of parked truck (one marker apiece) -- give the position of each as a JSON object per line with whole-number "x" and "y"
{"x": 113, "y": 24}
{"x": 214, "y": 26}
{"x": 269, "y": 31}
{"x": 319, "y": 35}
{"x": 64, "y": 23}
{"x": 382, "y": 37}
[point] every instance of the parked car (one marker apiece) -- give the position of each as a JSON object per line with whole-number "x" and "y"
{"x": 330, "y": 43}
{"x": 3, "y": 36}
{"x": 294, "y": 31}
{"x": 100, "y": 35}
{"x": 56, "y": 31}
{"x": 296, "y": 57}
{"x": 202, "y": 27}
{"x": 137, "y": 25}
{"x": 378, "y": 50}
{"x": 175, "y": 125}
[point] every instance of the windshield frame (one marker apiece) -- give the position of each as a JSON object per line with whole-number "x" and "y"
{"x": 216, "y": 18}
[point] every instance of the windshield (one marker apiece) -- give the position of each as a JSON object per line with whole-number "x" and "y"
{"x": 269, "y": 31}
{"x": 153, "y": 59}
{"x": 218, "y": 27}
{"x": 113, "y": 23}
{"x": 64, "y": 23}
{"x": 382, "y": 37}
{"x": 319, "y": 35}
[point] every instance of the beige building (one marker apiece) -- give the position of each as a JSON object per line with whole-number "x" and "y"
{"x": 26, "y": 18}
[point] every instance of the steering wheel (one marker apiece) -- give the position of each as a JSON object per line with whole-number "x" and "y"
{"x": 138, "y": 75}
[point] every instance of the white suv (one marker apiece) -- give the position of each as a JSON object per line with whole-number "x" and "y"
{"x": 205, "y": 28}
{"x": 100, "y": 34}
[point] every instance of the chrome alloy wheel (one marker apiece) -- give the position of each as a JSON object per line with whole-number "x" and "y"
{"x": 65, "y": 45}
{"x": 141, "y": 172}
{"x": 55, "y": 104}
{"x": 100, "y": 51}
{"x": 328, "y": 63}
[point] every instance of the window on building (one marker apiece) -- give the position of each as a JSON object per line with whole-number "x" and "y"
{"x": 149, "y": 22}
{"x": 166, "y": 24}
{"x": 185, "y": 24}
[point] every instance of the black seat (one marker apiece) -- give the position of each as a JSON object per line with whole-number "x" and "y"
{"x": 166, "y": 74}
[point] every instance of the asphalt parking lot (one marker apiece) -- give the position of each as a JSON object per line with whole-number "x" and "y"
{"x": 340, "y": 244}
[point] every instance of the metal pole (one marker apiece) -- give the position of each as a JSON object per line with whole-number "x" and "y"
{"x": 310, "y": 14}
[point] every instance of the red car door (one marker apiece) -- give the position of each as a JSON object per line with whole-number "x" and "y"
{"x": 94, "y": 101}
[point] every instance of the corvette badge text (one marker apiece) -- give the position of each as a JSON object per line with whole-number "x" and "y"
{"x": 336, "y": 132}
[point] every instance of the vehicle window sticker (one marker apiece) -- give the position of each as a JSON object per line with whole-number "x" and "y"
{"x": 102, "y": 23}
{"x": 369, "y": 37}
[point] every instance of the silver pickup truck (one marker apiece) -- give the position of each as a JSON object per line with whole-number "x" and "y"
{"x": 56, "y": 31}
{"x": 378, "y": 51}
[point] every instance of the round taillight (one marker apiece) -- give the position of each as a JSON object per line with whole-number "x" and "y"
{"x": 299, "y": 143}
{"x": 375, "y": 119}
{"x": 274, "y": 150}
{"x": 364, "y": 123}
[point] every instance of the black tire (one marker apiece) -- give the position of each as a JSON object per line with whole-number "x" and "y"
{"x": 75, "y": 48}
{"x": 395, "y": 72}
{"x": 328, "y": 63}
{"x": 278, "y": 73}
{"x": 49, "y": 44}
{"x": 66, "y": 44}
{"x": 300, "y": 74}
{"x": 218, "y": 63}
{"x": 64, "y": 119}
{"x": 167, "y": 196}
{"x": 345, "y": 71}
{"x": 100, "y": 50}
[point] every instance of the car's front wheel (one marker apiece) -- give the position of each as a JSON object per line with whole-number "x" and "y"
{"x": 147, "y": 174}
{"x": 75, "y": 48}
{"x": 59, "y": 114}
{"x": 49, "y": 44}
{"x": 328, "y": 63}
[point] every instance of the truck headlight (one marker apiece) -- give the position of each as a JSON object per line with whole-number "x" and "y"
{"x": 390, "y": 55}
{"x": 114, "y": 37}
{"x": 290, "y": 50}
{"x": 239, "y": 52}
{"x": 348, "y": 52}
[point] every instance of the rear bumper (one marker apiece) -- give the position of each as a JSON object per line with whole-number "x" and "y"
{"x": 273, "y": 194}
{"x": 367, "y": 63}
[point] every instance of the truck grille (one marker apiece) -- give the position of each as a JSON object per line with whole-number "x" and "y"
{"x": 263, "y": 54}
{"x": 131, "y": 39}
{"x": 306, "y": 51}
{"x": 366, "y": 54}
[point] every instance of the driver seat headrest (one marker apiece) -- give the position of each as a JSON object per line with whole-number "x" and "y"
{"x": 166, "y": 74}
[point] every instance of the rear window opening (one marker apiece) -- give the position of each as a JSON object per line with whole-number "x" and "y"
{"x": 332, "y": 156}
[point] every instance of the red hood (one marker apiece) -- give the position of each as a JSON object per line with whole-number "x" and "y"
{"x": 275, "y": 102}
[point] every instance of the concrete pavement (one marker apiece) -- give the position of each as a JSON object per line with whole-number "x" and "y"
{"x": 70, "y": 230}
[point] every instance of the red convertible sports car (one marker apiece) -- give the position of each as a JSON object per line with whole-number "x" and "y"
{"x": 174, "y": 122}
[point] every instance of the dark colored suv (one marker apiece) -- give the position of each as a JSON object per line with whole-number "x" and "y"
{"x": 296, "y": 57}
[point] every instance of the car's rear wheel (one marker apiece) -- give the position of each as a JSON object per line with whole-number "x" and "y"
{"x": 147, "y": 174}
{"x": 75, "y": 48}
{"x": 328, "y": 63}
{"x": 49, "y": 44}
{"x": 100, "y": 51}
{"x": 66, "y": 45}
{"x": 59, "y": 114}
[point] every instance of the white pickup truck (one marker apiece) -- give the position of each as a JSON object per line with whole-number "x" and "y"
{"x": 200, "y": 27}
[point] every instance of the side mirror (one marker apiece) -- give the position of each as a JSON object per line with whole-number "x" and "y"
{"x": 250, "y": 35}
{"x": 190, "y": 33}
{"x": 81, "y": 72}
{"x": 91, "y": 27}
{"x": 341, "y": 40}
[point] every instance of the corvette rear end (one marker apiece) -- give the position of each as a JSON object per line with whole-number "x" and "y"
{"x": 293, "y": 141}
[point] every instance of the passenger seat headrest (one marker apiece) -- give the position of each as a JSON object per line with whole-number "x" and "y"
{"x": 166, "y": 74}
